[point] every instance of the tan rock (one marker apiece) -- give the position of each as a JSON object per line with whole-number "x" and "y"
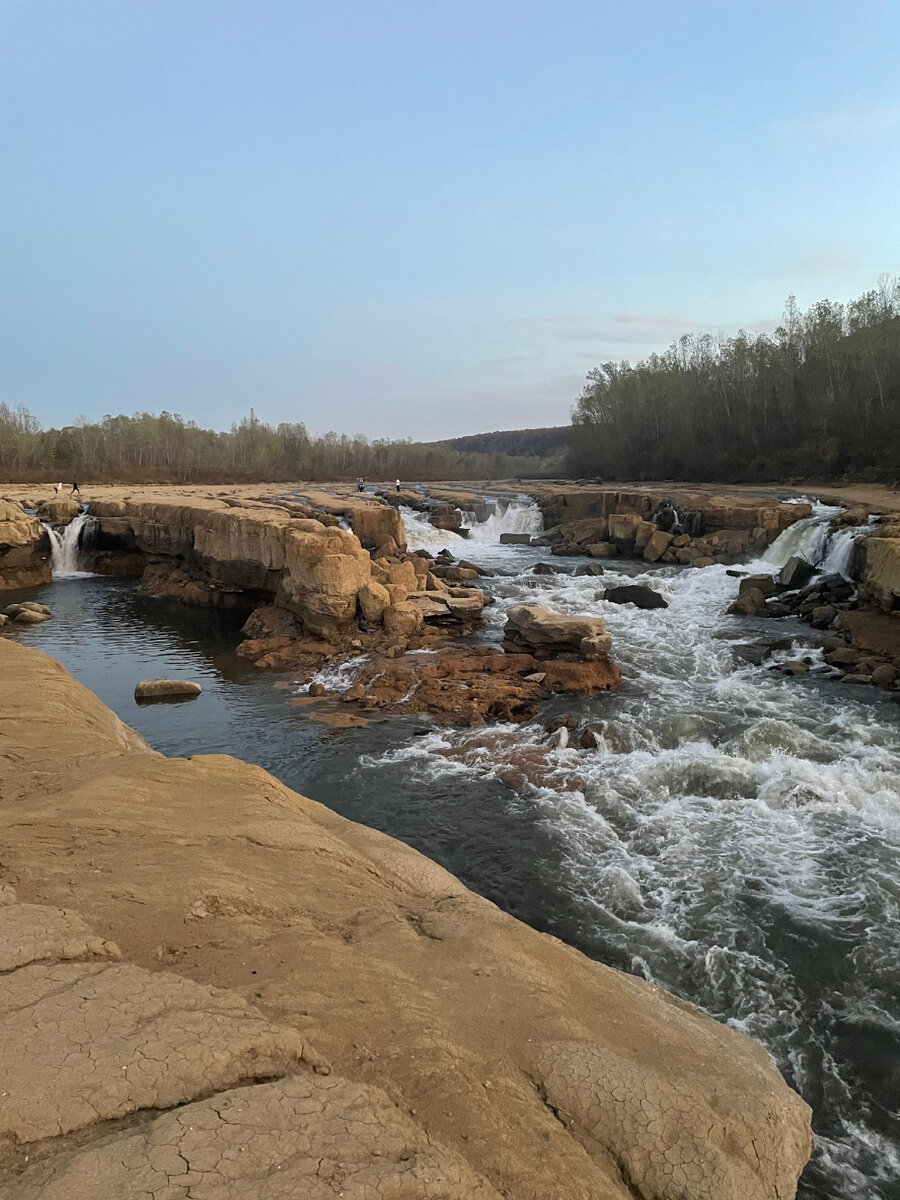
{"x": 404, "y": 574}
{"x": 59, "y": 512}
{"x": 541, "y": 627}
{"x": 376, "y": 524}
{"x": 166, "y": 689}
{"x": 373, "y": 600}
{"x": 214, "y": 869}
{"x": 623, "y": 529}
{"x": 657, "y": 545}
{"x": 402, "y": 621}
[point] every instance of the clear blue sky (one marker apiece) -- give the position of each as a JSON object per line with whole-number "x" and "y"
{"x": 422, "y": 218}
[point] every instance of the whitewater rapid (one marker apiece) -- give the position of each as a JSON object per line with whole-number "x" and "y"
{"x": 735, "y": 835}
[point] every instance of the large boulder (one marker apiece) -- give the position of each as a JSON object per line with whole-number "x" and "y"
{"x": 24, "y": 548}
{"x": 373, "y": 599}
{"x": 637, "y": 594}
{"x": 657, "y": 544}
{"x": 377, "y": 524}
{"x": 534, "y": 626}
{"x": 795, "y": 573}
{"x": 623, "y": 528}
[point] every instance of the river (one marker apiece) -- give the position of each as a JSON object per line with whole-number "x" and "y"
{"x": 734, "y": 837}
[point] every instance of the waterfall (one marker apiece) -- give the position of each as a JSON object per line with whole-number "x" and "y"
{"x": 808, "y": 538}
{"x": 65, "y": 544}
{"x": 839, "y": 556}
{"x": 521, "y": 515}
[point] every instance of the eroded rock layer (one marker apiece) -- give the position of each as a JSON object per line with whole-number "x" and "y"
{"x": 230, "y": 991}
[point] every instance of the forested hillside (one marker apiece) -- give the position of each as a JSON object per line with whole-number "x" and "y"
{"x": 543, "y": 443}
{"x": 818, "y": 398}
{"x": 165, "y": 448}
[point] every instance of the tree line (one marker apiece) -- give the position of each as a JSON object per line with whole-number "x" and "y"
{"x": 820, "y": 397}
{"x": 164, "y": 448}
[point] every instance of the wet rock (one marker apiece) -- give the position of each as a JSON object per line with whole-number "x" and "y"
{"x": 317, "y": 689}
{"x": 853, "y": 677}
{"x": 602, "y": 550}
{"x": 795, "y": 573}
{"x": 591, "y": 737}
{"x": 545, "y": 568}
{"x": 623, "y": 528}
{"x": 703, "y": 561}
{"x": 750, "y": 602}
{"x": 637, "y": 594}
{"x": 563, "y": 721}
{"x": 762, "y": 583}
{"x": 794, "y": 667}
{"x": 515, "y": 539}
{"x": 884, "y": 675}
{"x": 823, "y": 616}
{"x": 589, "y": 569}
{"x": 841, "y": 656}
{"x": 775, "y": 609}
{"x": 445, "y": 556}
{"x": 559, "y": 739}
{"x": 166, "y": 689}
{"x": 542, "y": 627}
{"x": 596, "y": 647}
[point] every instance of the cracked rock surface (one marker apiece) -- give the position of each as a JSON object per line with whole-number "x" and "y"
{"x": 214, "y": 988}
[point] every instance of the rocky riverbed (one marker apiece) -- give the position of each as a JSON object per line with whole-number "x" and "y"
{"x": 689, "y": 751}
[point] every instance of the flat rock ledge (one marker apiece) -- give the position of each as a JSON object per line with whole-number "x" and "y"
{"x": 214, "y": 988}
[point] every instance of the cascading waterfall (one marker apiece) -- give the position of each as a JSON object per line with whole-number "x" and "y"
{"x": 521, "y": 515}
{"x": 65, "y": 545}
{"x": 829, "y": 550}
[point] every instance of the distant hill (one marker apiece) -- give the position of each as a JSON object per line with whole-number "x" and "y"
{"x": 541, "y": 443}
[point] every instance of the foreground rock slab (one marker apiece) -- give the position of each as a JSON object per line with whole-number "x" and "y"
{"x": 416, "y": 1041}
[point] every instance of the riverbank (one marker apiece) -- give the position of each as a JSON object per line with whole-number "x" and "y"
{"x": 451, "y": 1029}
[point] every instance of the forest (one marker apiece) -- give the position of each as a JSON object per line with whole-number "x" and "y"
{"x": 548, "y": 442}
{"x": 164, "y": 448}
{"x": 818, "y": 399}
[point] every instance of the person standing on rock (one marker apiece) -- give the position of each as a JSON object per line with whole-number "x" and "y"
{"x": 76, "y": 491}
{"x": 58, "y": 487}
{"x": 398, "y": 485}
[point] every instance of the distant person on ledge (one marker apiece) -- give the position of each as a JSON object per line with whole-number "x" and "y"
{"x": 398, "y": 485}
{"x": 75, "y": 491}
{"x": 58, "y": 488}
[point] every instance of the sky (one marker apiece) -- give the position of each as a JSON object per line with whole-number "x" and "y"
{"x": 428, "y": 218}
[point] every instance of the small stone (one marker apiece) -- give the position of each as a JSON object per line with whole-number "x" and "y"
{"x": 149, "y": 690}
{"x": 356, "y": 692}
{"x": 317, "y": 689}
{"x": 796, "y": 667}
{"x": 536, "y": 677}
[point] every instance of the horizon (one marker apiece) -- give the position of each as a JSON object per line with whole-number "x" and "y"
{"x": 424, "y": 224}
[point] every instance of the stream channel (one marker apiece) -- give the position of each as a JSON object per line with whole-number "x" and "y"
{"x": 735, "y": 837}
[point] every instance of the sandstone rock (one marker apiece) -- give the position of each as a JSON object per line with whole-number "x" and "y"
{"x": 270, "y": 621}
{"x": 316, "y": 689}
{"x": 795, "y": 573}
{"x": 637, "y": 594}
{"x": 28, "y": 616}
{"x": 823, "y": 616}
{"x": 373, "y": 600}
{"x": 602, "y": 550}
{"x": 166, "y": 689}
{"x": 581, "y": 678}
{"x": 750, "y": 602}
{"x": 855, "y": 677}
{"x": 592, "y": 648}
{"x": 541, "y": 627}
{"x": 762, "y": 583}
{"x": 703, "y": 561}
{"x": 342, "y": 925}
{"x": 446, "y": 516}
{"x": 376, "y": 524}
{"x": 643, "y": 535}
{"x": 881, "y": 567}
{"x": 24, "y": 549}
{"x": 459, "y": 574}
{"x": 404, "y": 574}
{"x": 623, "y": 529}
{"x": 402, "y": 621}
{"x": 589, "y": 569}
{"x": 545, "y": 568}
{"x": 59, "y": 512}
{"x": 657, "y": 544}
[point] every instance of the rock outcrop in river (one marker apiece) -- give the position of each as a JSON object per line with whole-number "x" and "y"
{"x": 24, "y": 548}
{"x": 229, "y": 990}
